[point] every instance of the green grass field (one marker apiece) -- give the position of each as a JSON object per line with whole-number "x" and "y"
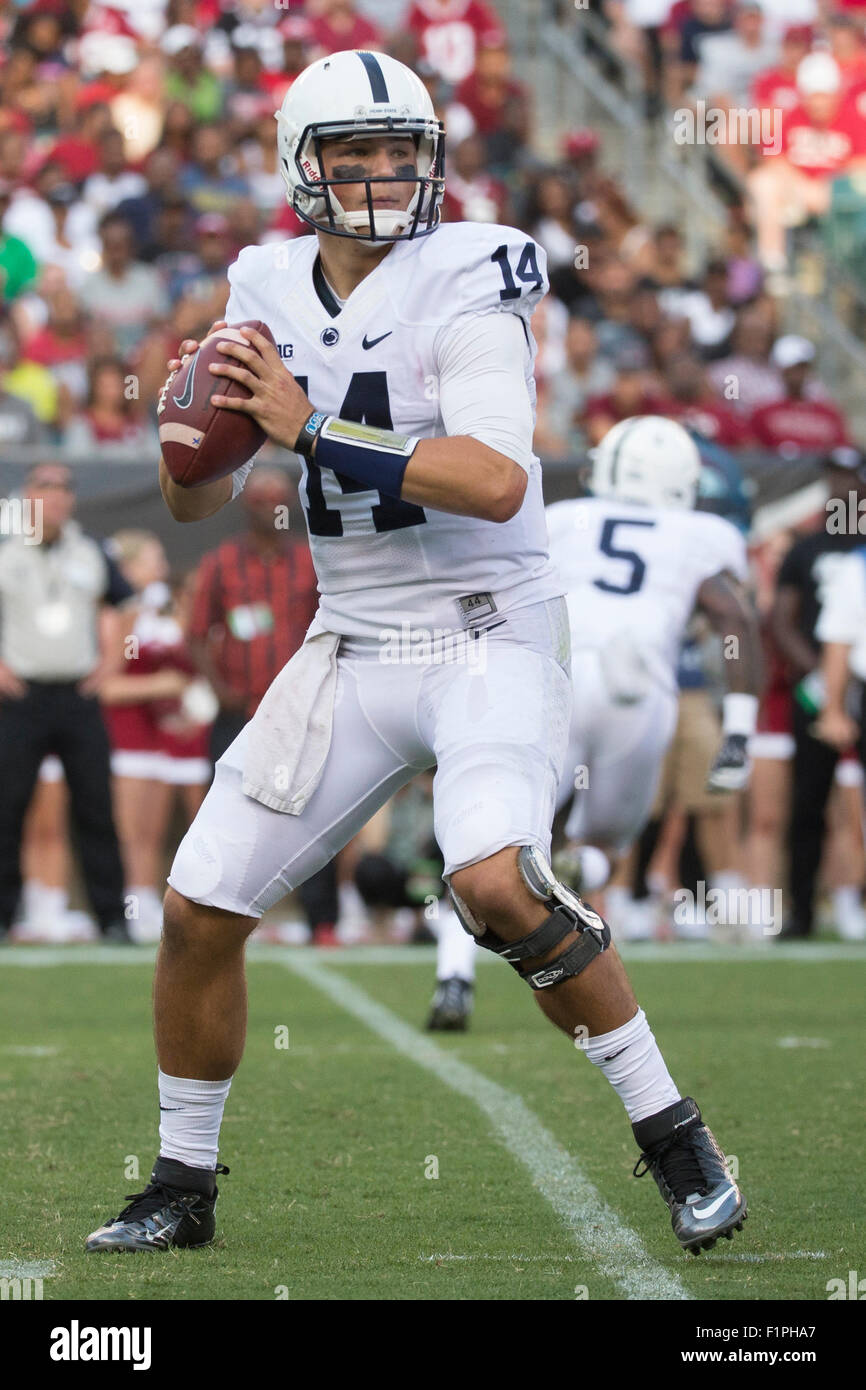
{"x": 333, "y": 1141}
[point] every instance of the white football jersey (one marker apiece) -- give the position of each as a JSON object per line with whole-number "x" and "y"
{"x": 632, "y": 573}
{"x": 402, "y": 353}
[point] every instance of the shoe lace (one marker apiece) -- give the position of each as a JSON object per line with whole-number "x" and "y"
{"x": 678, "y": 1161}
{"x": 156, "y": 1196}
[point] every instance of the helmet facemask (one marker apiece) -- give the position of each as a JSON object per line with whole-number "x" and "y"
{"x": 314, "y": 199}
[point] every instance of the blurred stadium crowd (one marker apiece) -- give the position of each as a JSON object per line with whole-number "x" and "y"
{"x": 138, "y": 155}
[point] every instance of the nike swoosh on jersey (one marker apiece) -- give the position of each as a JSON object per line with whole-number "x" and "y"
{"x": 713, "y": 1207}
{"x": 367, "y": 344}
{"x": 184, "y": 401}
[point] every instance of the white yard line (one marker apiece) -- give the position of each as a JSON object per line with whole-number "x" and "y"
{"x": 21, "y": 1050}
{"x": 447, "y": 1256}
{"x": 613, "y": 1247}
{"x": 26, "y": 1269}
{"x": 779, "y": 1257}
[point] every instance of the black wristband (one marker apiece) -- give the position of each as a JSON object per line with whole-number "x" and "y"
{"x": 306, "y": 440}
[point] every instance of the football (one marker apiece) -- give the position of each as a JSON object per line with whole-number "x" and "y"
{"x": 200, "y": 441}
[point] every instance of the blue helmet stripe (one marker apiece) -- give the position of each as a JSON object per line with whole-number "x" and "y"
{"x": 377, "y": 77}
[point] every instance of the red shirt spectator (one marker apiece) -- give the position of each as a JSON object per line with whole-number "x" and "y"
{"x": 471, "y": 195}
{"x": 712, "y": 420}
{"x": 77, "y": 158}
{"x": 796, "y": 426}
{"x": 256, "y": 609}
{"x": 802, "y": 421}
{"x": 602, "y": 412}
{"x": 52, "y": 349}
{"x": 449, "y": 33}
{"x": 481, "y": 199}
{"x": 338, "y": 28}
{"x": 776, "y": 89}
{"x": 491, "y": 98}
{"x": 823, "y": 151}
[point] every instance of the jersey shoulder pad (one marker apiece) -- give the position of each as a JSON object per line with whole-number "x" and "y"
{"x": 257, "y": 279}
{"x": 473, "y": 267}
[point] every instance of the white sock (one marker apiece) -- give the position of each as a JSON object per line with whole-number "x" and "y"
{"x": 190, "y": 1115}
{"x": 632, "y": 1063}
{"x": 43, "y": 904}
{"x": 846, "y": 900}
{"x": 455, "y": 948}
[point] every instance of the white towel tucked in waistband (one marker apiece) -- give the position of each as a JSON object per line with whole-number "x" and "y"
{"x": 290, "y": 732}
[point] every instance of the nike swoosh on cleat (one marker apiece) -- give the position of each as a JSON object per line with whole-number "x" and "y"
{"x": 367, "y": 344}
{"x": 713, "y": 1207}
{"x": 184, "y": 401}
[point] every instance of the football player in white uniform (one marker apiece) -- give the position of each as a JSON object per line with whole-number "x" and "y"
{"x": 403, "y": 378}
{"x": 636, "y": 562}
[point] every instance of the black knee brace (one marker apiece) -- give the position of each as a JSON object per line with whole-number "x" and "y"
{"x": 568, "y": 916}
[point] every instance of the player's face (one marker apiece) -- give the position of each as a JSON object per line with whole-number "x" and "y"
{"x": 372, "y": 157}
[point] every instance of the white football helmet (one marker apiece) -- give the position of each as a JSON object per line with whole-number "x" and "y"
{"x": 649, "y": 460}
{"x": 355, "y": 94}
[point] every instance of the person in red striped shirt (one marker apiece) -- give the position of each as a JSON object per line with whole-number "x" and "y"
{"x": 254, "y": 598}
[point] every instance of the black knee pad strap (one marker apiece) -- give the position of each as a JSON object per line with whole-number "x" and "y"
{"x": 572, "y": 961}
{"x": 562, "y": 923}
{"x": 554, "y": 929}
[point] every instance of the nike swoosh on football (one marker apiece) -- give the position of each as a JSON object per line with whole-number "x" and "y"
{"x": 713, "y": 1207}
{"x": 366, "y": 345}
{"x": 184, "y": 401}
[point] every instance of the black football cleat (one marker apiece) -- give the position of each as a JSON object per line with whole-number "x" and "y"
{"x": 731, "y": 769}
{"x": 176, "y": 1209}
{"x": 692, "y": 1176}
{"x": 451, "y": 1006}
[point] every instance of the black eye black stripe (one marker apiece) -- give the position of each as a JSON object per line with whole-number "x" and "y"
{"x": 377, "y": 77}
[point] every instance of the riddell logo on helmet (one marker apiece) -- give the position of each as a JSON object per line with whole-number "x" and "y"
{"x": 310, "y": 170}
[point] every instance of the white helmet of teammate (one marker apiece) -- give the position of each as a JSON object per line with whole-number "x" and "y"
{"x": 354, "y": 94}
{"x": 649, "y": 460}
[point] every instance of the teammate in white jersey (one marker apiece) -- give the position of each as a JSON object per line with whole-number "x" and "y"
{"x": 403, "y": 377}
{"x": 636, "y": 562}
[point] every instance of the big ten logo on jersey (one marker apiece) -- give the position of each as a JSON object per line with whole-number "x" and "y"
{"x": 286, "y": 350}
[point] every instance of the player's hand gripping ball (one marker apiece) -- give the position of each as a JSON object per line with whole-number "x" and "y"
{"x": 224, "y": 401}
{"x": 200, "y": 440}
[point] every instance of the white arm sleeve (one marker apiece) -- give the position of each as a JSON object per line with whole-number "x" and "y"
{"x": 483, "y": 388}
{"x": 239, "y": 477}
